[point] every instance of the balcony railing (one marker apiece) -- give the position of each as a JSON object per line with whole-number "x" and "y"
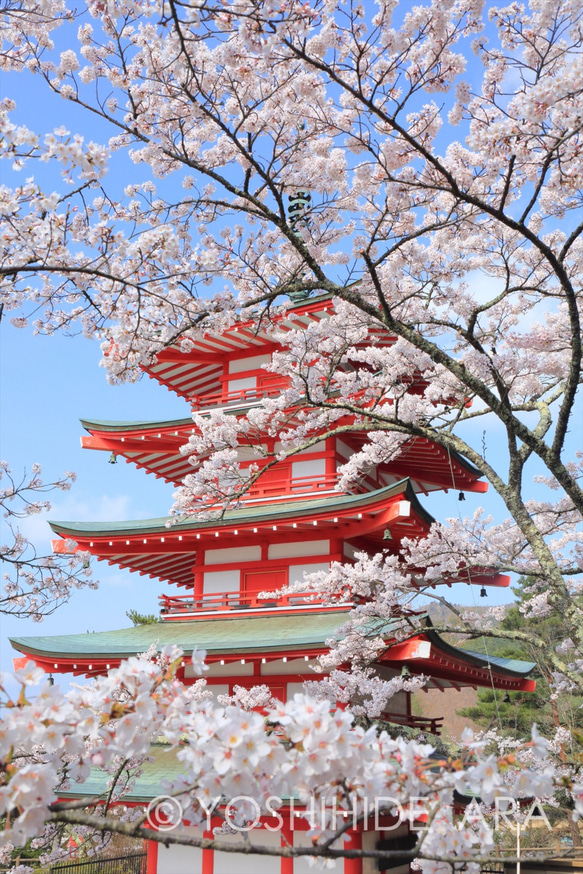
{"x": 286, "y": 485}
{"x": 432, "y": 724}
{"x": 174, "y": 605}
{"x": 285, "y": 488}
{"x": 232, "y": 398}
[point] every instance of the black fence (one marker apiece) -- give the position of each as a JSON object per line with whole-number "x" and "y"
{"x": 131, "y": 864}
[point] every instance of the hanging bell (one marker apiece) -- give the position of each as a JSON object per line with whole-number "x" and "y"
{"x": 113, "y": 458}
{"x": 483, "y": 592}
{"x": 461, "y": 496}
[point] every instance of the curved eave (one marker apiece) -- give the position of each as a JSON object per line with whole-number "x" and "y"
{"x": 151, "y": 446}
{"x": 265, "y": 637}
{"x": 197, "y": 371}
{"x": 130, "y": 427}
{"x": 155, "y": 447}
{"x": 512, "y": 667}
{"x": 322, "y": 508}
{"x": 151, "y": 548}
{"x": 228, "y": 639}
{"x": 428, "y": 653}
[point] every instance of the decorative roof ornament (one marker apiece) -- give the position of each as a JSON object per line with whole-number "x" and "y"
{"x": 297, "y": 210}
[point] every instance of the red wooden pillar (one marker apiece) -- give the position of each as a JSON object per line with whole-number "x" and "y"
{"x": 287, "y": 840}
{"x": 208, "y": 856}
{"x": 151, "y": 857}
{"x": 353, "y": 866}
{"x": 198, "y": 574}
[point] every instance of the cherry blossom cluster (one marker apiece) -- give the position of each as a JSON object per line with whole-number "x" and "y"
{"x": 34, "y": 584}
{"x": 304, "y": 749}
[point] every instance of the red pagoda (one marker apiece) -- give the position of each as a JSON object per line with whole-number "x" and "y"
{"x": 292, "y": 521}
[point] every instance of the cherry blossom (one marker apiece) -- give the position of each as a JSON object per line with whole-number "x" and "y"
{"x": 34, "y": 584}
{"x": 441, "y": 145}
{"x": 303, "y": 747}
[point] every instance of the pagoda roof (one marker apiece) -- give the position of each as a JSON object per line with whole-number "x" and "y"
{"x": 135, "y": 425}
{"x": 197, "y": 371}
{"x": 264, "y": 512}
{"x": 167, "y": 551}
{"x": 155, "y": 447}
{"x": 449, "y": 665}
{"x": 237, "y": 635}
{"x": 162, "y": 767}
{"x": 293, "y": 635}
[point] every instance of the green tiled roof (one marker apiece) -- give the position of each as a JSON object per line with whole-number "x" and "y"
{"x": 287, "y": 510}
{"x": 152, "y": 782}
{"x": 164, "y": 766}
{"x": 107, "y": 425}
{"x": 241, "y": 634}
{"x": 509, "y": 666}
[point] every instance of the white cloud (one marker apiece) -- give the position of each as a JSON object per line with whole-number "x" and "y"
{"x": 69, "y": 507}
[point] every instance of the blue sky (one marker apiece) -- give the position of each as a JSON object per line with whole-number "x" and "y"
{"x": 46, "y": 385}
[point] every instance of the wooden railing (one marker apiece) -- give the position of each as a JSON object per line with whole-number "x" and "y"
{"x": 285, "y": 485}
{"x": 245, "y": 395}
{"x": 432, "y": 724}
{"x": 172, "y": 605}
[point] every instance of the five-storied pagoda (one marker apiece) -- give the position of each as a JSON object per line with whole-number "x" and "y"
{"x": 291, "y": 522}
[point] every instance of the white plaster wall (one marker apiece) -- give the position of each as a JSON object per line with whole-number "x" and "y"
{"x": 222, "y": 581}
{"x": 242, "y": 384}
{"x": 314, "y": 467}
{"x": 238, "y": 553}
{"x": 218, "y": 689}
{"x": 349, "y": 551}
{"x": 233, "y": 863}
{"x": 293, "y": 550}
{"x": 230, "y": 669}
{"x": 297, "y": 571}
{"x": 179, "y": 860}
{"x": 246, "y": 453}
{"x": 293, "y": 688}
{"x": 316, "y": 447}
{"x": 343, "y": 449}
{"x": 279, "y": 667}
{"x": 241, "y": 364}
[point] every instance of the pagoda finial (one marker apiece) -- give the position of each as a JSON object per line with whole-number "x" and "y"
{"x": 297, "y": 210}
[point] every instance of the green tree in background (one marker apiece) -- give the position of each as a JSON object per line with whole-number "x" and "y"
{"x": 514, "y": 712}
{"x": 142, "y": 618}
